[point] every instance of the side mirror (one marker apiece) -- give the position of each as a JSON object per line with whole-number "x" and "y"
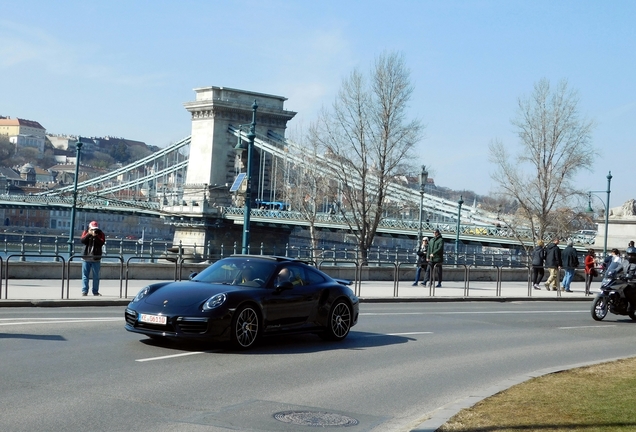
{"x": 287, "y": 285}
{"x": 192, "y": 275}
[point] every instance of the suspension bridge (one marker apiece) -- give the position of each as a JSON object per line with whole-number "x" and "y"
{"x": 188, "y": 183}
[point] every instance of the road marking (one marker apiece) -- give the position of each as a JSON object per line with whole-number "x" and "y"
{"x": 470, "y": 313}
{"x": 170, "y": 356}
{"x": 594, "y": 326}
{"x": 408, "y": 333}
{"x": 60, "y": 321}
{"x": 398, "y": 334}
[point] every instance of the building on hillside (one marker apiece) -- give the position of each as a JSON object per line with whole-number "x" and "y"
{"x": 65, "y": 173}
{"x": 23, "y": 133}
{"x": 62, "y": 142}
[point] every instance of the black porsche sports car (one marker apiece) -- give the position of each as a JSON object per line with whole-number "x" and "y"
{"x": 244, "y": 297}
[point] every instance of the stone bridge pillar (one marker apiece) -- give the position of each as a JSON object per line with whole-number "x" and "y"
{"x": 214, "y": 164}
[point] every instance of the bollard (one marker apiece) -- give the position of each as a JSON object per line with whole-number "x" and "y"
{"x": 22, "y": 249}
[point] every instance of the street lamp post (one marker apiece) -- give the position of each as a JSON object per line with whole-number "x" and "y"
{"x": 459, "y": 217}
{"x": 248, "y": 179}
{"x": 78, "y": 146}
{"x": 606, "y": 204}
{"x": 423, "y": 180}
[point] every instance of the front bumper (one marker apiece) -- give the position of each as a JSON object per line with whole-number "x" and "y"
{"x": 187, "y": 327}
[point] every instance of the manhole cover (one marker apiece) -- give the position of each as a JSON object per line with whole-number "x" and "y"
{"x": 315, "y": 418}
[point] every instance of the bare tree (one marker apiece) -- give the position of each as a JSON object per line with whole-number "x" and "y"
{"x": 554, "y": 145}
{"x": 306, "y": 185}
{"x": 369, "y": 140}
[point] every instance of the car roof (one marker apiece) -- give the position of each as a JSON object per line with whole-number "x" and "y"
{"x": 268, "y": 258}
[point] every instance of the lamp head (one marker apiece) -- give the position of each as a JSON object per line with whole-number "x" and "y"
{"x": 423, "y": 178}
{"x": 240, "y": 144}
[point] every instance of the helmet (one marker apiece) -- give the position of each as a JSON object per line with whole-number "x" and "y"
{"x": 631, "y": 254}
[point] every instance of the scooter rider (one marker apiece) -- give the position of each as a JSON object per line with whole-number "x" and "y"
{"x": 630, "y": 272}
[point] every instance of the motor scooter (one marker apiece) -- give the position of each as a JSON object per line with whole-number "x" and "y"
{"x": 616, "y": 294}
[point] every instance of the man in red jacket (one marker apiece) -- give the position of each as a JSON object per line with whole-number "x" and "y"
{"x": 93, "y": 240}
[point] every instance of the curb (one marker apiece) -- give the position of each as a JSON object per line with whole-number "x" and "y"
{"x": 440, "y": 416}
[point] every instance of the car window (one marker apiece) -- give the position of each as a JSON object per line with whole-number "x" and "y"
{"x": 236, "y": 271}
{"x": 312, "y": 277}
{"x": 291, "y": 273}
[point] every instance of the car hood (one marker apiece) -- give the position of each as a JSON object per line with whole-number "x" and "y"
{"x": 185, "y": 293}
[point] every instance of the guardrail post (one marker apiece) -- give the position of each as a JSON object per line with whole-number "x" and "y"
{"x": 262, "y": 248}
{"x": 22, "y": 249}
{"x": 57, "y": 249}
{"x": 121, "y": 247}
{"x": 209, "y": 253}
{"x": 152, "y": 251}
{"x": 40, "y": 245}
{"x": 234, "y": 248}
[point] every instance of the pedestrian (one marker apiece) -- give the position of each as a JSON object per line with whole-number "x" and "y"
{"x": 422, "y": 263}
{"x": 436, "y": 257}
{"x": 570, "y": 263}
{"x": 93, "y": 240}
{"x": 553, "y": 263}
{"x": 538, "y": 260}
{"x": 614, "y": 256}
{"x": 590, "y": 270}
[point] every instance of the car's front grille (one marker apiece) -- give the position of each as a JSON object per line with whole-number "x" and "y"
{"x": 192, "y": 325}
{"x": 131, "y": 317}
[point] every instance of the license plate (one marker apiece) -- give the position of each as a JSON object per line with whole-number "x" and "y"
{"x": 153, "y": 319}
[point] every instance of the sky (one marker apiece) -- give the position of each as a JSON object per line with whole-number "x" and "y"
{"x": 125, "y": 68}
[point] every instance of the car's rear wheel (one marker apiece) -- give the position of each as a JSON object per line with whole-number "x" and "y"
{"x": 339, "y": 322}
{"x": 245, "y": 327}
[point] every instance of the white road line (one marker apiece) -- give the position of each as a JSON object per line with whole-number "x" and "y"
{"x": 470, "y": 313}
{"x": 583, "y": 327}
{"x": 170, "y": 356}
{"x": 398, "y": 334}
{"x": 66, "y": 321}
{"x": 408, "y": 333}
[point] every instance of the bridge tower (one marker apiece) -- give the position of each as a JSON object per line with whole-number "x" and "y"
{"x": 214, "y": 164}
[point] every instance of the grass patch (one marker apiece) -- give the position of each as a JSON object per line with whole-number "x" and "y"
{"x": 593, "y": 398}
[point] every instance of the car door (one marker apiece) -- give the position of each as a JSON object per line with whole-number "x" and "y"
{"x": 290, "y": 307}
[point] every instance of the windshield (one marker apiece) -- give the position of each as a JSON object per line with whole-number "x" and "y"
{"x": 237, "y": 271}
{"x": 614, "y": 268}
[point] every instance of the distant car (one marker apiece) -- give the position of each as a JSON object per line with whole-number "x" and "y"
{"x": 584, "y": 237}
{"x": 244, "y": 297}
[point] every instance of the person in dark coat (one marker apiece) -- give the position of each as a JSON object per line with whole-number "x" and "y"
{"x": 422, "y": 263}
{"x": 436, "y": 257}
{"x": 93, "y": 240}
{"x": 570, "y": 263}
{"x": 538, "y": 260}
{"x": 553, "y": 263}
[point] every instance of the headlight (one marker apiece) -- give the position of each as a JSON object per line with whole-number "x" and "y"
{"x": 141, "y": 294}
{"x": 214, "y": 301}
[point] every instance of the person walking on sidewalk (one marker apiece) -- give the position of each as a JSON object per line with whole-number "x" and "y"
{"x": 436, "y": 258}
{"x": 590, "y": 270}
{"x": 538, "y": 260}
{"x": 553, "y": 263}
{"x": 570, "y": 263}
{"x": 422, "y": 263}
{"x": 93, "y": 240}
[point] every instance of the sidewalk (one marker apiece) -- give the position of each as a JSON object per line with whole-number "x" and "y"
{"x": 50, "y": 292}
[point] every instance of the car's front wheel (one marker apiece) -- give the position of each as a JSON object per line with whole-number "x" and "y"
{"x": 339, "y": 322}
{"x": 245, "y": 327}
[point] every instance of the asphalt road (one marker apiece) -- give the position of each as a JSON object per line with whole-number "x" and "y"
{"x": 77, "y": 369}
